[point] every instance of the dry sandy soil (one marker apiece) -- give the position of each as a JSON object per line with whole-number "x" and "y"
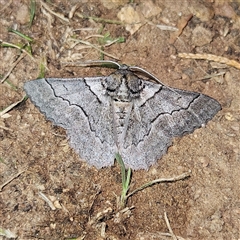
{"x": 36, "y": 157}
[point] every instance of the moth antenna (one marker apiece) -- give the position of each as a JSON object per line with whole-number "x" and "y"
{"x": 96, "y": 63}
{"x": 138, "y": 69}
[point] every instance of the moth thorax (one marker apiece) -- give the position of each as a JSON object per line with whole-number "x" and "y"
{"x": 123, "y": 93}
{"x": 123, "y": 86}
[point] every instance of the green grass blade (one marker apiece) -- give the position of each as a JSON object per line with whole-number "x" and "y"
{"x": 32, "y": 11}
{"x": 29, "y": 39}
{"x": 123, "y": 170}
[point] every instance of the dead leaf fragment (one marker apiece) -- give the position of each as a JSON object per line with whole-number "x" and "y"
{"x": 182, "y": 23}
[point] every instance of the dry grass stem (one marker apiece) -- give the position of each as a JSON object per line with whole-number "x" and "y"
{"x": 73, "y": 10}
{"x": 47, "y": 200}
{"x": 169, "y": 227}
{"x": 7, "y": 109}
{"x": 100, "y": 215}
{"x": 208, "y": 76}
{"x": 6, "y": 6}
{"x": 97, "y": 48}
{"x": 5, "y": 128}
{"x": 59, "y": 15}
{"x": 211, "y": 57}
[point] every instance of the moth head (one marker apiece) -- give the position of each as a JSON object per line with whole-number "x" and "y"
{"x": 123, "y": 85}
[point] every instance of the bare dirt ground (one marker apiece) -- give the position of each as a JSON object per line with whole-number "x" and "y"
{"x": 36, "y": 156}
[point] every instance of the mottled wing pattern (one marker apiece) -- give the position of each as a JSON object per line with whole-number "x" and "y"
{"x": 156, "y": 120}
{"x": 105, "y": 115}
{"x": 71, "y": 104}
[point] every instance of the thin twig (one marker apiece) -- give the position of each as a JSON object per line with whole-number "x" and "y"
{"x": 173, "y": 179}
{"x": 13, "y": 66}
{"x": 9, "y": 180}
{"x": 169, "y": 227}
